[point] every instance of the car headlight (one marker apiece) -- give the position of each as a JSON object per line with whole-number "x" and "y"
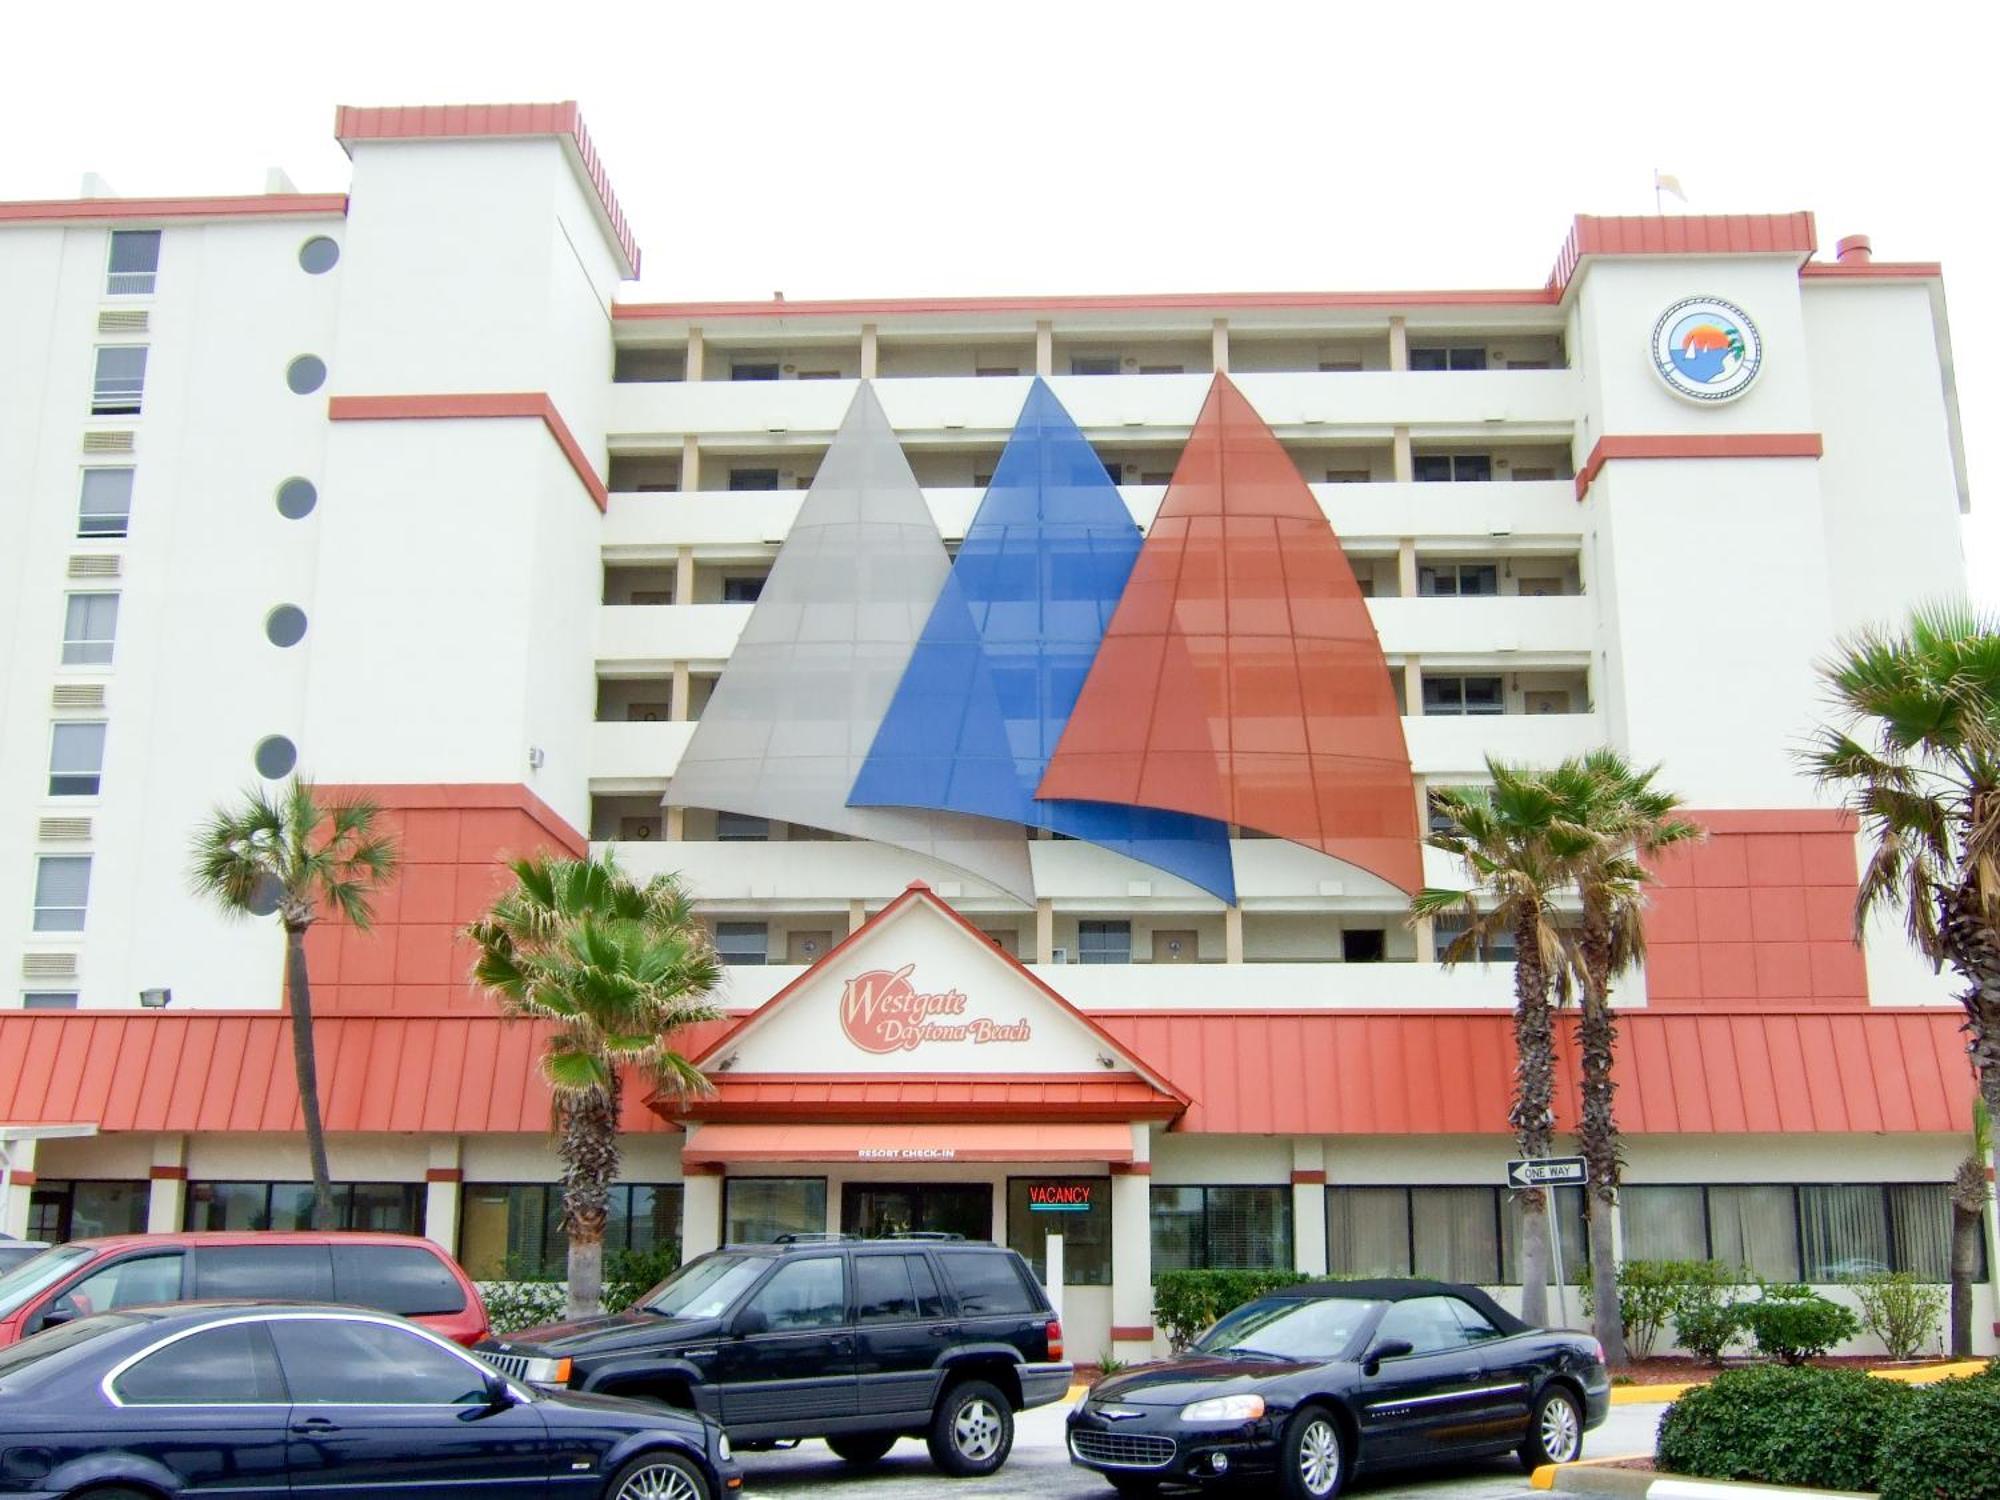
{"x": 546, "y": 1371}
{"x": 722, "y": 1446}
{"x": 1224, "y": 1409}
{"x": 1082, "y": 1400}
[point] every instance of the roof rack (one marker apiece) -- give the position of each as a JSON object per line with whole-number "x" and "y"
{"x": 920, "y": 1234}
{"x": 814, "y": 1239}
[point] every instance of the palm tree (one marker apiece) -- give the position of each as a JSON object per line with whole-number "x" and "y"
{"x": 1970, "y": 1193}
{"x": 1629, "y": 820}
{"x": 1916, "y": 752}
{"x": 298, "y": 856}
{"x": 613, "y": 968}
{"x": 1518, "y": 850}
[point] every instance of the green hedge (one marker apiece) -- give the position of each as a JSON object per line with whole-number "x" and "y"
{"x": 1795, "y": 1323}
{"x": 1777, "y": 1424}
{"x": 1944, "y": 1443}
{"x": 1186, "y": 1302}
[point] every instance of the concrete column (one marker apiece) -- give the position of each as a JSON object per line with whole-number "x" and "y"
{"x": 1425, "y": 932}
{"x": 1308, "y": 1206}
{"x": 1399, "y": 345}
{"x": 166, "y": 1204}
{"x": 690, "y": 464}
{"x": 1413, "y": 687}
{"x": 1232, "y": 934}
{"x": 1405, "y": 466}
{"x": 694, "y": 354}
{"x": 684, "y": 576}
{"x": 1045, "y": 348}
{"x": 701, "y": 1214}
{"x": 1219, "y": 345}
{"x": 444, "y": 1187}
{"x": 20, "y": 1185}
{"x": 676, "y": 829}
{"x": 869, "y": 354}
{"x": 1132, "y": 1253}
{"x": 681, "y": 695}
{"x": 1045, "y": 931}
{"x": 857, "y": 913}
{"x": 1406, "y": 567}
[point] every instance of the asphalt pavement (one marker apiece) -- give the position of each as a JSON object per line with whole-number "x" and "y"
{"x": 1039, "y": 1469}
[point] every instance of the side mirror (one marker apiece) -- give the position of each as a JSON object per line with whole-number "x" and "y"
{"x": 750, "y": 1320}
{"x": 1371, "y": 1363}
{"x": 499, "y": 1394}
{"x": 62, "y": 1310}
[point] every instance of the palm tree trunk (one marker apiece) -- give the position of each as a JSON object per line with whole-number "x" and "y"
{"x": 298, "y": 995}
{"x": 589, "y": 1151}
{"x": 1597, "y": 1132}
{"x": 1964, "y": 1256}
{"x": 1532, "y": 1116}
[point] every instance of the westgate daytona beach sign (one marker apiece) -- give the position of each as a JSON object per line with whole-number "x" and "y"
{"x": 883, "y": 1011}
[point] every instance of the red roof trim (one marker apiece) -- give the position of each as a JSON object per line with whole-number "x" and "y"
{"x": 260, "y": 206}
{"x": 1699, "y": 445}
{"x": 1874, "y": 270}
{"x": 1681, "y": 234}
{"x": 437, "y": 122}
{"x": 476, "y": 404}
{"x": 863, "y": 307}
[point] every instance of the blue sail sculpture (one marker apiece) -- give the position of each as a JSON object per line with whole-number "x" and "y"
{"x": 1006, "y": 649}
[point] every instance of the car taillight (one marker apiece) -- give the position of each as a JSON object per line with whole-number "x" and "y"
{"x": 1597, "y": 1351}
{"x": 1055, "y": 1338}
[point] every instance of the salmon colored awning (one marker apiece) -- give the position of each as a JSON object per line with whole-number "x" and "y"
{"x": 730, "y": 1145}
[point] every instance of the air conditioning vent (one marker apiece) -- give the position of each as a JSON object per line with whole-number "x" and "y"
{"x": 108, "y": 442}
{"x": 48, "y": 966}
{"x": 122, "y": 320}
{"x": 77, "y": 695}
{"x": 63, "y": 830}
{"x": 94, "y": 565}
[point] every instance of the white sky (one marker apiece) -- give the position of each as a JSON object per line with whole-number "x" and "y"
{"x": 829, "y": 149}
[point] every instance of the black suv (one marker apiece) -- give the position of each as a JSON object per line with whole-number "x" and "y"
{"x": 856, "y": 1341}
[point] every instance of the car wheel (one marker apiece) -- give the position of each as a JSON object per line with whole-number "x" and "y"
{"x": 972, "y": 1430}
{"x": 862, "y": 1447}
{"x": 1555, "y": 1431}
{"x": 658, "y": 1476}
{"x": 1312, "y": 1461}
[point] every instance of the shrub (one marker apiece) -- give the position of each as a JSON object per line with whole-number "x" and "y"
{"x": 1651, "y": 1291}
{"x": 1780, "y": 1425}
{"x": 1186, "y": 1302}
{"x": 1940, "y": 1444}
{"x": 514, "y": 1305}
{"x": 1902, "y": 1310}
{"x": 630, "y": 1274}
{"x": 1795, "y": 1323}
{"x": 1706, "y": 1322}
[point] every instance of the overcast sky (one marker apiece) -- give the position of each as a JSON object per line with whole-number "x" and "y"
{"x": 837, "y": 149}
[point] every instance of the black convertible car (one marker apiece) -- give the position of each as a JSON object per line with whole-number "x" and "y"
{"x": 1316, "y": 1382}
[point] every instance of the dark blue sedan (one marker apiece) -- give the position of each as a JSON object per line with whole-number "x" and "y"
{"x": 254, "y": 1400}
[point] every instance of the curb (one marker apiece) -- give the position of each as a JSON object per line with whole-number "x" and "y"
{"x": 1590, "y": 1477}
{"x": 1630, "y": 1395}
{"x": 1648, "y": 1395}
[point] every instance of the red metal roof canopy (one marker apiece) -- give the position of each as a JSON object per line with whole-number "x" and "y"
{"x": 723, "y": 1145}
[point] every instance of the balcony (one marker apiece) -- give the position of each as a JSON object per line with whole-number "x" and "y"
{"x": 639, "y": 639}
{"x": 1473, "y": 626}
{"x": 1446, "y": 746}
{"x": 635, "y": 757}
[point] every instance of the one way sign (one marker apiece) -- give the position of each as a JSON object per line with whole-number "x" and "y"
{"x": 1547, "y": 1171}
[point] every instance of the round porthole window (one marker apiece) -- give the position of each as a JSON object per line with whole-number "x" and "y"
{"x": 319, "y": 255}
{"x": 275, "y": 756}
{"x": 296, "y": 499}
{"x": 305, "y": 374}
{"x": 285, "y": 625}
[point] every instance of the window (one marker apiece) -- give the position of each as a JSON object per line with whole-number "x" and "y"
{"x": 1664, "y": 1223}
{"x": 300, "y": 1273}
{"x": 347, "y": 1362}
{"x": 1756, "y": 1227}
{"x": 1078, "y": 1209}
{"x": 1446, "y": 468}
{"x": 1368, "y": 1231}
{"x": 76, "y": 760}
{"x": 120, "y": 384}
{"x": 510, "y": 1230}
{"x": 889, "y": 1287}
{"x": 388, "y": 1207}
{"x": 126, "y": 1283}
{"x": 105, "y": 506}
{"x": 62, "y": 891}
{"x": 741, "y": 828}
{"x": 1817, "y": 1232}
{"x": 228, "y": 1366}
{"x": 809, "y": 1293}
{"x": 135, "y": 262}
{"x": 756, "y": 1210}
{"x": 742, "y": 590}
{"x": 988, "y": 1283}
{"x": 400, "y": 1279}
{"x": 49, "y": 1000}
{"x": 1363, "y": 945}
{"x": 742, "y": 942}
{"x": 753, "y": 479}
{"x": 90, "y": 626}
{"x": 1439, "y": 357}
{"x": 1464, "y": 695}
{"x": 756, "y": 370}
{"x": 1447, "y": 1233}
{"x": 60, "y": 1210}
{"x": 1104, "y": 942}
{"x": 1222, "y": 1228}
{"x": 1455, "y": 1233}
{"x": 1495, "y": 948}
{"x": 1427, "y": 1324}
{"x": 1093, "y": 364}
{"x": 1114, "y": 471}
{"x": 1445, "y": 580}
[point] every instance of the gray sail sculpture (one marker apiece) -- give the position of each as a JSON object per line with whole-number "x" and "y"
{"x": 797, "y": 708}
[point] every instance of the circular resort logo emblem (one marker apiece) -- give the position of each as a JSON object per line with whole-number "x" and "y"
{"x": 1707, "y": 349}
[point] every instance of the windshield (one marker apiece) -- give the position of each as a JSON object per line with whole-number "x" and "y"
{"x": 705, "y": 1288}
{"x": 33, "y": 1277}
{"x": 18, "y": 1363}
{"x": 1312, "y": 1329}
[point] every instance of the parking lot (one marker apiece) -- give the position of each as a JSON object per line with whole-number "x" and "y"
{"x": 1040, "y": 1468}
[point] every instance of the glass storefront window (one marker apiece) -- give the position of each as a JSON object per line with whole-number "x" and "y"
{"x": 391, "y": 1207}
{"x": 81, "y": 1210}
{"x": 1078, "y": 1209}
{"x": 1756, "y": 1227}
{"x": 1664, "y": 1223}
{"x": 1368, "y": 1231}
{"x": 1222, "y": 1228}
{"x": 756, "y": 1210}
{"x": 512, "y": 1231}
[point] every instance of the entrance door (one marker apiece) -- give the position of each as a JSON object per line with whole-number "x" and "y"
{"x": 874, "y": 1209}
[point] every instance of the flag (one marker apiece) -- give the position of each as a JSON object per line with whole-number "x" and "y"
{"x": 1666, "y": 182}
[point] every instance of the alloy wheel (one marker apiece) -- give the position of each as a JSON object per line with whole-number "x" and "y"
{"x": 1319, "y": 1457}
{"x": 975, "y": 1431}
{"x": 658, "y": 1482}
{"x": 1559, "y": 1430}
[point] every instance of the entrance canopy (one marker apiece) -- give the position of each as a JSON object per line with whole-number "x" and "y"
{"x": 733, "y": 1145}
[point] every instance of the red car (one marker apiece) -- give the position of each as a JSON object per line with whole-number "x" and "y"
{"x": 391, "y": 1273}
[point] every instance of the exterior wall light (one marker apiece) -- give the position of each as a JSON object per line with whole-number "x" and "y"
{"x": 156, "y": 999}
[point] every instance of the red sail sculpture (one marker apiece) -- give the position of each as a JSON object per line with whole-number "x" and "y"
{"x": 1241, "y": 677}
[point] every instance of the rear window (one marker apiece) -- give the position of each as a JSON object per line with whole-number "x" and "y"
{"x": 402, "y": 1279}
{"x": 989, "y": 1281}
{"x": 291, "y": 1273}
{"x": 228, "y": 1366}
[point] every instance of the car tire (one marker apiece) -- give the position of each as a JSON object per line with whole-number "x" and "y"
{"x": 1312, "y": 1455}
{"x": 1555, "y": 1430}
{"x": 659, "y": 1476}
{"x": 972, "y": 1430}
{"x": 862, "y": 1447}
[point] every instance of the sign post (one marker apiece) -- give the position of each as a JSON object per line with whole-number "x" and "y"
{"x": 1052, "y": 1249}
{"x": 1551, "y": 1172}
